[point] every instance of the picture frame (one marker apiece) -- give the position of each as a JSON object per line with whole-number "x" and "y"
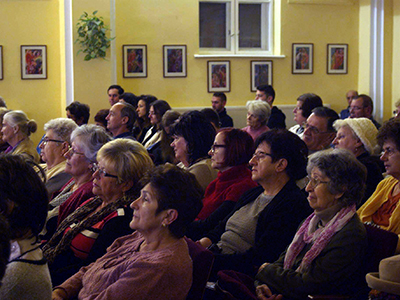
{"x": 337, "y": 59}
{"x": 134, "y": 61}
{"x": 302, "y": 58}
{"x": 261, "y": 73}
{"x": 1, "y": 62}
{"x": 174, "y": 61}
{"x": 218, "y": 76}
{"x": 33, "y": 62}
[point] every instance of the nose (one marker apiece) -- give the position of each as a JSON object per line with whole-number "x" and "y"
{"x": 307, "y": 131}
{"x": 383, "y": 156}
{"x": 210, "y": 153}
{"x": 134, "y": 204}
{"x": 309, "y": 188}
{"x": 334, "y": 142}
{"x": 41, "y": 145}
{"x": 252, "y": 161}
{"x": 67, "y": 154}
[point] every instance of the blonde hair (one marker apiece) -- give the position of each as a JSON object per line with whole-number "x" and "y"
{"x": 20, "y": 119}
{"x": 129, "y": 159}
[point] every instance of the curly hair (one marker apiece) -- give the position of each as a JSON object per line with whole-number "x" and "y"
{"x": 390, "y": 131}
{"x": 347, "y": 175}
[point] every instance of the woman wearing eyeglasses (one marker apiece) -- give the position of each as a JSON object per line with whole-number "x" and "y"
{"x": 327, "y": 253}
{"x": 86, "y": 140}
{"x": 230, "y": 155}
{"x": 53, "y": 147}
{"x": 16, "y": 130}
{"x": 382, "y": 207}
{"x": 85, "y": 234}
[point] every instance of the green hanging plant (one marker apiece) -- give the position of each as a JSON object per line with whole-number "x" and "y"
{"x": 92, "y": 36}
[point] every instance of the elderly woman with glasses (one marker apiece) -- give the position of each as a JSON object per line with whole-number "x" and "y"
{"x": 382, "y": 207}
{"x": 230, "y": 155}
{"x": 86, "y": 140}
{"x": 85, "y": 234}
{"x": 327, "y": 253}
{"x": 153, "y": 262}
{"x": 53, "y": 147}
{"x": 258, "y": 113}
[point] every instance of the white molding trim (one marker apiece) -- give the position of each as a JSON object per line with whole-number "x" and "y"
{"x": 237, "y": 55}
{"x": 69, "y": 56}
{"x": 377, "y": 57}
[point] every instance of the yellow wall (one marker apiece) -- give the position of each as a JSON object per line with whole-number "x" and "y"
{"x": 92, "y": 78}
{"x": 31, "y": 23}
{"x": 396, "y": 54}
{"x": 176, "y": 22}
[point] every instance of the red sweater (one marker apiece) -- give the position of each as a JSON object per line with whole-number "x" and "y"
{"x": 228, "y": 186}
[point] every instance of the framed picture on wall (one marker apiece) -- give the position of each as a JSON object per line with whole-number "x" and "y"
{"x": 218, "y": 76}
{"x": 261, "y": 73}
{"x": 1, "y": 62}
{"x": 174, "y": 61}
{"x": 33, "y": 62}
{"x": 134, "y": 61}
{"x": 302, "y": 58}
{"x": 337, "y": 58}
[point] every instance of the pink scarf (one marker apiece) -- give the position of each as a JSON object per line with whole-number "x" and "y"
{"x": 319, "y": 237}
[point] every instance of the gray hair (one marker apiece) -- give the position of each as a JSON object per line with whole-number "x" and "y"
{"x": 90, "y": 138}
{"x": 20, "y": 119}
{"x": 347, "y": 175}
{"x": 259, "y": 108}
{"x": 62, "y": 127}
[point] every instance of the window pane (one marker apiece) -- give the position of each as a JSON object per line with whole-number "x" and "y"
{"x": 212, "y": 25}
{"x": 250, "y": 25}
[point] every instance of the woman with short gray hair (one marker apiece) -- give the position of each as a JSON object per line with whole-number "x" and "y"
{"x": 258, "y": 113}
{"x": 327, "y": 254}
{"x": 54, "y": 145}
{"x": 86, "y": 140}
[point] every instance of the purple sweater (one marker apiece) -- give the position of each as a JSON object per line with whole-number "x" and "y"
{"x": 124, "y": 273}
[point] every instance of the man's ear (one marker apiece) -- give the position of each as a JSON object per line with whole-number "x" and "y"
{"x": 125, "y": 120}
{"x": 270, "y": 99}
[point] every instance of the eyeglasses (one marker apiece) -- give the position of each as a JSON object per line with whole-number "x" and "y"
{"x": 46, "y": 140}
{"x": 71, "y": 152}
{"x": 216, "y": 146}
{"x": 314, "y": 129}
{"x": 388, "y": 151}
{"x": 313, "y": 182}
{"x": 102, "y": 172}
{"x": 261, "y": 155}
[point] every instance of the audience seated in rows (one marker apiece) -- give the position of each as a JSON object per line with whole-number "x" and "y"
{"x": 258, "y": 113}
{"x": 230, "y": 155}
{"x": 218, "y": 102}
{"x": 23, "y": 202}
{"x": 100, "y": 118}
{"x": 359, "y": 137}
{"x": 17, "y": 128}
{"x": 129, "y": 98}
{"x": 305, "y": 104}
{"x": 54, "y": 145}
{"x": 382, "y": 207}
{"x": 193, "y": 136}
{"x": 265, "y": 218}
{"x": 362, "y": 107}
{"x": 212, "y": 117}
{"x": 153, "y": 262}
{"x": 84, "y": 235}
{"x": 350, "y": 95}
{"x": 86, "y": 140}
{"x": 114, "y": 93}
{"x": 3, "y": 144}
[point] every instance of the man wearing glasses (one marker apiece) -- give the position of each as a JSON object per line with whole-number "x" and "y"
{"x": 362, "y": 107}
{"x": 319, "y": 132}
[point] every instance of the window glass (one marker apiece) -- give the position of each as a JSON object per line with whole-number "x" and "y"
{"x": 213, "y": 25}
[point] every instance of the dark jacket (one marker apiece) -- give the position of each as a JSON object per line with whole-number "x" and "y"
{"x": 275, "y": 229}
{"x": 224, "y": 119}
{"x": 374, "y": 174}
{"x": 277, "y": 119}
{"x": 337, "y": 270}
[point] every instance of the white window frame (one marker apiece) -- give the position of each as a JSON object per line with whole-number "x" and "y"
{"x": 232, "y": 19}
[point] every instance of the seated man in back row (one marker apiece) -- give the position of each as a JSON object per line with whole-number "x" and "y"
{"x": 267, "y": 93}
